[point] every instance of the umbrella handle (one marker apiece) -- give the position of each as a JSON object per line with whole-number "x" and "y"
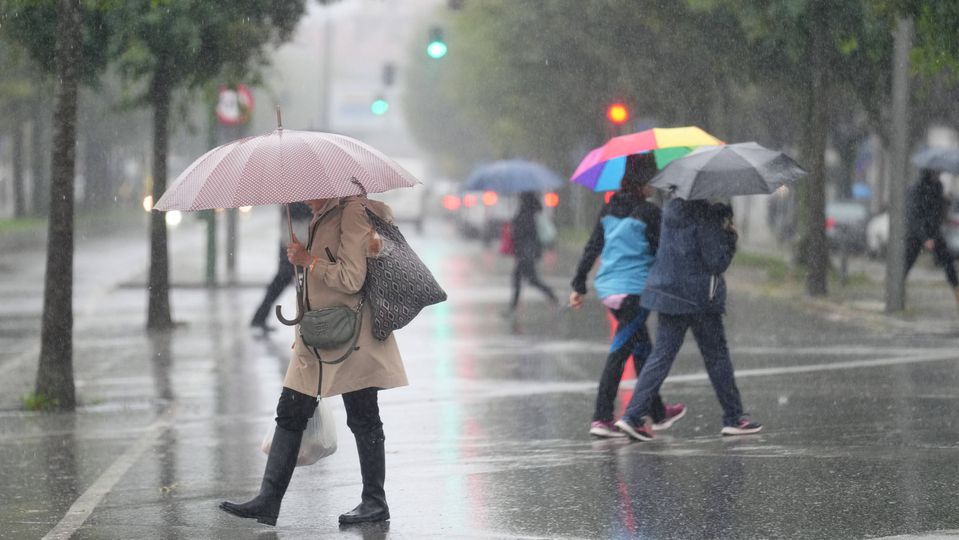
{"x": 295, "y": 320}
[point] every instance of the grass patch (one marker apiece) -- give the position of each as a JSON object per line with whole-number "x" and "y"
{"x": 21, "y": 224}
{"x": 775, "y": 267}
{"x": 780, "y": 272}
{"x": 39, "y": 402}
{"x": 574, "y": 237}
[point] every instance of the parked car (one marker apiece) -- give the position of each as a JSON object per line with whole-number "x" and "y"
{"x": 482, "y": 214}
{"x": 846, "y": 225}
{"x": 877, "y": 232}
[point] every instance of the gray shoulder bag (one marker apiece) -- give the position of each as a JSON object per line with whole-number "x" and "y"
{"x": 330, "y": 327}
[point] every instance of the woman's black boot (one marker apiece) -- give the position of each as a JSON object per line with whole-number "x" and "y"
{"x": 370, "y": 447}
{"x": 265, "y": 507}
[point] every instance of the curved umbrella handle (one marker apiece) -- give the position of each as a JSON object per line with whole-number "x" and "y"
{"x": 290, "y": 322}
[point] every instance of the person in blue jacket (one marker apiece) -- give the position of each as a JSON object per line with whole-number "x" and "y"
{"x": 687, "y": 290}
{"x": 625, "y": 239}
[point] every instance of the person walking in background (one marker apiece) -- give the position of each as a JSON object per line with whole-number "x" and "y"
{"x": 341, "y": 239}
{"x": 300, "y": 214}
{"x": 687, "y": 290}
{"x": 527, "y": 248}
{"x": 625, "y": 238}
{"x": 925, "y": 214}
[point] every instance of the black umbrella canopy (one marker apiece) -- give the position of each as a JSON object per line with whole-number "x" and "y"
{"x": 727, "y": 171}
{"x": 938, "y": 159}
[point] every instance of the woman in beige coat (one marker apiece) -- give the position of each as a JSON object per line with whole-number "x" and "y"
{"x": 335, "y": 278}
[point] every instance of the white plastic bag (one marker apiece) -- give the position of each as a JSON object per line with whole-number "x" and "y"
{"x": 319, "y": 438}
{"x": 545, "y": 230}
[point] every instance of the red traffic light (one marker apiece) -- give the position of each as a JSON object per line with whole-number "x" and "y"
{"x": 617, "y": 113}
{"x": 551, "y": 200}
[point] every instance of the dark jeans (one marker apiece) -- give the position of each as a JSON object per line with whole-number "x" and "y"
{"x": 526, "y": 267}
{"x": 941, "y": 254}
{"x": 283, "y": 277}
{"x": 631, "y": 337}
{"x": 362, "y": 411}
{"x": 711, "y": 337}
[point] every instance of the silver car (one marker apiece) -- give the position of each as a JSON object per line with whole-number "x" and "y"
{"x": 846, "y": 225}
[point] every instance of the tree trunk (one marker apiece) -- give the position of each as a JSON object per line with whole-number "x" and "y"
{"x": 55, "y": 371}
{"x": 38, "y": 165}
{"x": 158, "y": 311}
{"x": 814, "y": 251}
{"x": 19, "y": 185}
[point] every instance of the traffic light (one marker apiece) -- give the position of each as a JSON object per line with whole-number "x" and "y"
{"x": 389, "y": 74}
{"x": 436, "y": 48}
{"x": 618, "y": 114}
{"x": 379, "y": 106}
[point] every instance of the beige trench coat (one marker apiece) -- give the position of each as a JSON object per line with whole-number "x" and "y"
{"x": 344, "y": 228}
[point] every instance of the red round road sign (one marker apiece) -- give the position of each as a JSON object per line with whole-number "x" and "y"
{"x": 234, "y": 105}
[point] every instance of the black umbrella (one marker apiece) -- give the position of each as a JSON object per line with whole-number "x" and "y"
{"x": 726, "y": 171}
{"x": 938, "y": 159}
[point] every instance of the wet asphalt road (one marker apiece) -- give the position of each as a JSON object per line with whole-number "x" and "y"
{"x": 490, "y": 439}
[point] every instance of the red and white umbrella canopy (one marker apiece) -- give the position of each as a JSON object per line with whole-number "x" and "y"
{"x": 284, "y": 166}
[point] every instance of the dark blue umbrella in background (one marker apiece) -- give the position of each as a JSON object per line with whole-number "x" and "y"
{"x": 938, "y": 159}
{"x": 512, "y": 176}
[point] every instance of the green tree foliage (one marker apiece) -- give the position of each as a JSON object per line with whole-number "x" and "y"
{"x": 533, "y": 79}
{"x": 169, "y": 45}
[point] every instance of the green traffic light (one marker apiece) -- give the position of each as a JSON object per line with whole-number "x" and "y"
{"x": 379, "y": 107}
{"x": 436, "y": 49}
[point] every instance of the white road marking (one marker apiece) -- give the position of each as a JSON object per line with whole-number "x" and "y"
{"x": 17, "y": 361}
{"x": 88, "y": 501}
{"x": 832, "y": 366}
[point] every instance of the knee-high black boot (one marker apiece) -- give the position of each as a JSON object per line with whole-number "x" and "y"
{"x": 370, "y": 447}
{"x": 265, "y": 507}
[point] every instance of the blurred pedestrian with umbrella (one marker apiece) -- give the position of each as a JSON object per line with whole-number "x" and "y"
{"x": 512, "y": 176}
{"x": 625, "y": 239}
{"x": 925, "y": 212}
{"x": 686, "y": 285}
{"x": 527, "y": 249}
{"x": 332, "y": 174}
{"x": 938, "y": 159}
{"x": 301, "y": 215}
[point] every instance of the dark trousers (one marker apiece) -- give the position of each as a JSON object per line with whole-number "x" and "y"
{"x": 362, "y": 411}
{"x": 284, "y": 276}
{"x": 632, "y": 338}
{"x": 526, "y": 267}
{"x": 941, "y": 254}
{"x": 710, "y": 335}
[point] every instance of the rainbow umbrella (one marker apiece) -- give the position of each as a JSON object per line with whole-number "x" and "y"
{"x": 603, "y": 167}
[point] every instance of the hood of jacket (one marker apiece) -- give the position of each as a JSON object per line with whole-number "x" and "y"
{"x": 622, "y": 204}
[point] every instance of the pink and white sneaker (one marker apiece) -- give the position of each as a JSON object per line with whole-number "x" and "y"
{"x": 743, "y": 427}
{"x": 605, "y": 429}
{"x": 673, "y": 412}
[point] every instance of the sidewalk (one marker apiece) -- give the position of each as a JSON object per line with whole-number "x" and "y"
{"x": 931, "y": 308}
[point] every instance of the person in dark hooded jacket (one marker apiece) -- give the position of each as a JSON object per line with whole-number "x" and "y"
{"x": 527, "y": 248}
{"x": 925, "y": 212}
{"x": 687, "y": 289}
{"x": 625, "y": 240}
